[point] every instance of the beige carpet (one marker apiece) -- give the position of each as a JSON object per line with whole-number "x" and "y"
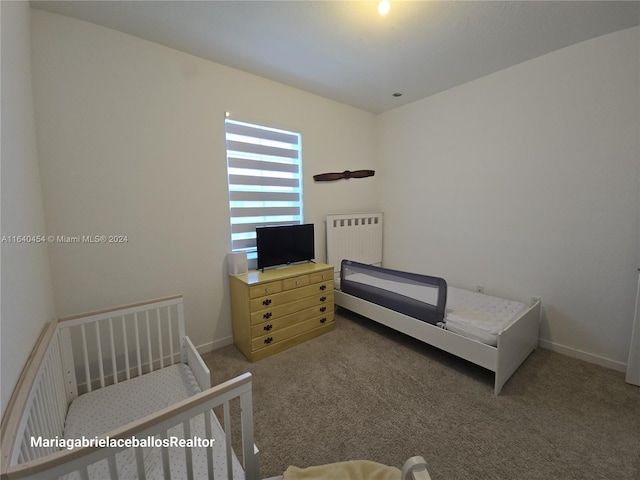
{"x": 367, "y": 392}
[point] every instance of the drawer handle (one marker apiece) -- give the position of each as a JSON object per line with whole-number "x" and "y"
{"x": 267, "y": 315}
{"x": 322, "y": 299}
{"x": 268, "y": 340}
{"x": 266, "y": 302}
{"x": 323, "y": 287}
{"x": 297, "y": 283}
{"x": 323, "y": 319}
{"x": 323, "y": 309}
{"x": 268, "y": 327}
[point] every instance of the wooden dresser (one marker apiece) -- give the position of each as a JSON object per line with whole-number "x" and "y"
{"x": 280, "y": 308}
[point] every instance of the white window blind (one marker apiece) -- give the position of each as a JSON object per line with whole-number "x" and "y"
{"x": 265, "y": 180}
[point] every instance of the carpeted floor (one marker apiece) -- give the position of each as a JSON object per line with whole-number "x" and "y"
{"x": 367, "y": 392}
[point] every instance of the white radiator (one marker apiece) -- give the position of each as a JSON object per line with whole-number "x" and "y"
{"x": 357, "y": 237}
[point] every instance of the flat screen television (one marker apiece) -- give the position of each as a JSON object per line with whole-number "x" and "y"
{"x": 284, "y": 244}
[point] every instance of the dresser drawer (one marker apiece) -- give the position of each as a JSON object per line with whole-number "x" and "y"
{"x": 288, "y": 332}
{"x": 272, "y": 325}
{"x": 295, "y": 282}
{"x": 277, "y": 299}
{"x": 276, "y": 312}
{"x": 265, "y": 289}
{"x": 321, "y": 276}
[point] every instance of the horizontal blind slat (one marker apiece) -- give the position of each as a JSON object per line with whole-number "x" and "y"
{"x": 249, "y": 164}
{"x": 239, "y": 196}
{"x": 267, "y": 181}
{"x": 265, "y": 211}
{"x": 236, "y": 146}
{"x": 243, "y": 243}
{"x": 265, "y": 134}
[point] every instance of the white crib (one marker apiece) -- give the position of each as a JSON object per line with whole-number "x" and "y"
{"x": 87, "y": 361}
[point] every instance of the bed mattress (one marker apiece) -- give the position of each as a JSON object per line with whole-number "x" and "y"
{"x": 105, "y": 409}
{"x": 473, "y": 315}
{"x": 479, "y": 316}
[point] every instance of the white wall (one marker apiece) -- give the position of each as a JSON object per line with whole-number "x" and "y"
{"x": 27, "y": 293}
{"x": 526, "y": 181}
{"x": 131, "y": 140}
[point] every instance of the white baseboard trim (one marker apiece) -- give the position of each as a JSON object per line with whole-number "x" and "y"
{"x": 580, "y": 355}
{"x": 211, "y": 346}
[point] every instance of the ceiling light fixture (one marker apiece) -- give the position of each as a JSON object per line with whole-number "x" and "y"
{"x": 384, "y": 7}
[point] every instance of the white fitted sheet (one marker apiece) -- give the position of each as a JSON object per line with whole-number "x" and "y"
{"x": 473, "y": 315}
{"x": 102, "y": 410}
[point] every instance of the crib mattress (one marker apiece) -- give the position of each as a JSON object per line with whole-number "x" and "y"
{"x": 470, "y": 314}
{"x": 105, "y": 409}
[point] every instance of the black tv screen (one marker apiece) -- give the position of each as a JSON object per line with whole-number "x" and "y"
{"x": 284, "y": 244}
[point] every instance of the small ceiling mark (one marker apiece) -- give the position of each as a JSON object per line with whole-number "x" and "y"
{"x": 397, "y": 94}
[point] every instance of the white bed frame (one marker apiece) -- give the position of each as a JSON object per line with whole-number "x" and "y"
{"x": 515, "y": 342}
{"x": 82, "y": 353}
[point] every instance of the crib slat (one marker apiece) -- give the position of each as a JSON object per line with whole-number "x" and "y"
{"x": 114, "y": 367}
{"x": 209, "y": 433}
{"x": 53, "y": 391}
{"x": 60, "y": 388}
{"x": 166, "y": 466}
{"x": 22, "y": 456}
{"x": 159, "y": 337}
{"x": 113, "y": 467}
{"x": 135, "y": 321}
{"x": 126, "y": 348}
{"x": 86, "y": 358}
{"x": 29, "y": 451}
{"x": 100, "y": 366}
{"x": 249, "y": 460}
{"x": 84, "y": 473}
{"x": 227, "y": 436}
{"x": 68, "y": 368}
{"x": 171, "y": 358}
{"x": 181, "y": 333}
{"x": 50, "y": 404}
{"x": 37, "y": 416}
{"x": 146, "y": 313}
{"x": 44, "y": 392}
{"x": 188, "y": 451}
{"x": 140, "y": 463}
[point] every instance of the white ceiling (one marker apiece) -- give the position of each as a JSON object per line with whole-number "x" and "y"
{"x": 346, "y": 51}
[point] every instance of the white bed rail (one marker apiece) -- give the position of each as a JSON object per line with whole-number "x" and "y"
{"x": 81, "y": 353}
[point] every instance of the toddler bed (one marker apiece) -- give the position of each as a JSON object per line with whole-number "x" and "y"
{"x": 495, "y": 333}
{"x": 124, "y": 394}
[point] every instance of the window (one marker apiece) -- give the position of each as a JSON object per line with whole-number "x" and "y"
{"x": 265, "y": 181}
